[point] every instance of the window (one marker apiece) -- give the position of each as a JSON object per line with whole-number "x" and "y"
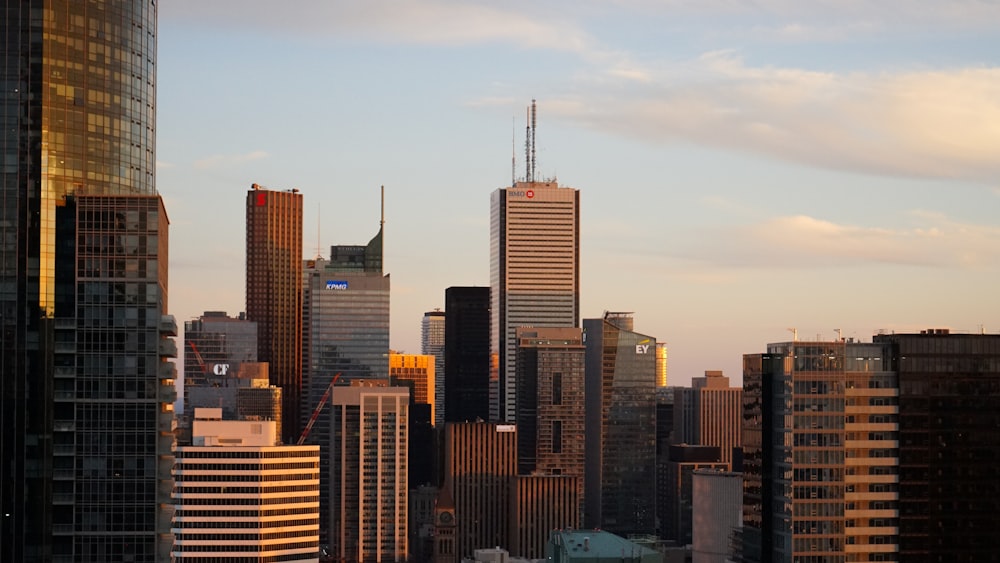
{"x": 556, "y": 388}
{"x": 556, "y": 436}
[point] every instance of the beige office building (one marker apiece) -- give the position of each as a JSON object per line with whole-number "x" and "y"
{"x": 534, "y": 274}
{"x": 240, "y": 496}
{"x": 709, "y": 413}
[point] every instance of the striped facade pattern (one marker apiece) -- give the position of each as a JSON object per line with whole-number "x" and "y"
{"x": 540, "y": 504}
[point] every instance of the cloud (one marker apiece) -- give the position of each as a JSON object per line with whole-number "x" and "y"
{"x": 801, "y": 241}
{"x": 930, "y": 123}
{"x": 225, "y": 160}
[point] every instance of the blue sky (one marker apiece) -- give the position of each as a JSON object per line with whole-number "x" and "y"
{"x": 744, "y": 167}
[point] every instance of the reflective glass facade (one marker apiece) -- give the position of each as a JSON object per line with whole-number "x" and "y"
{"x": 620, "y": 426}
{"x": 467, "y": 354}
{"x": 274, "y": 292}
{"x": 77, "y": 116}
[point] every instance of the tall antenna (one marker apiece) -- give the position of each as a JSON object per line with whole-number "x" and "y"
{"x": 319, "y": 224}
{"x": 527, "y": 145}
{"x": 533, "y": 129}
{"x": 513, "y": 157}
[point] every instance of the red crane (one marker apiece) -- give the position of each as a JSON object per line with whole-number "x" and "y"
{"x": 197, "y": 356}
{"x": 319, "y": 407}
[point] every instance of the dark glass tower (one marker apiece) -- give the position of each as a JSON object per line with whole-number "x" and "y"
{"x": 80, "y": 341}
{"x": 467, "y": 354}
{"x": 274, "y": 293}
{"x": 620, "y": 426}
{"x": 949, "y": 444}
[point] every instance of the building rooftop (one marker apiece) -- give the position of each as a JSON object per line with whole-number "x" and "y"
{"x": 597, "y": 546}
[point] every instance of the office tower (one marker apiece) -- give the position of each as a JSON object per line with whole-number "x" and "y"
{"x": 661, "y": 364}
{"x": 540, "y": 504}
{"x": 664, "y": 437}
{"x": 215, "y": 345}
{"x": 534, "y": 267}
{"x": 717, "y": 503}
{"x": 820, "y": 445}
{"x": 949, "y": 443}
{"x": 416, "y": 372}
{"x": 242, "y": 496}
{"x": 550, "y": 406}
{"x": 467, "y": 354}
{"x": 709, "y": 413}
{"x": 76, "y": 125}
{"x": 432, "y": 343}
{"x": 480, "y": 458}
{"x": 274, "y": 293}
{"x": 620, "y": 426}
{"x": 368, "y": 459}
{"x": 682, "y": 462}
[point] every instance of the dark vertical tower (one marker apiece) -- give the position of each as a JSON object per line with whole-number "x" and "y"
{"x": 949, "y": 444}
{"x": 77, "y": 116}
{"x": 274, "y": 292}
{"x": 467, "y": 354}
{"x": 620, "y": 426}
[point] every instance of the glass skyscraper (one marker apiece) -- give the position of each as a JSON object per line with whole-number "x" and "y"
{"x": 86, "y": 394}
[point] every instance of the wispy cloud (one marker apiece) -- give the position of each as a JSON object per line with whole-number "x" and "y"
{"x": 800, "y": 241}
{"x": 935, "y": 123}
{"x": 224, "y": 160}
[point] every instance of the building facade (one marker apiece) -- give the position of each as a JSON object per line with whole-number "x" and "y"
{"x": 709, "y": 413}
{"x": 241, "y": 496}
{"x": 75, "y": 122}
{"x": 480, "y": 459}
{"x": 550, "y": 407}
{"x": 467, "y": 354}
{"x": 216, "y": 345}
{"x": 274, "y": 292}
{"x": 416, "y": 372}
{"x": 432, "y": 343}
{"x": 534, "y": 273}
{"x": 540, "y": 504}
{"x": 367, "y": 472}
{"x": 682, "y": 463}
{"x": 620, "y": 462}
{"x": 716, "y": 513}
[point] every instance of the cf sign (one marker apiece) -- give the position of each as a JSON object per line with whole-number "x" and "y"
{"x": 220, "y": 369}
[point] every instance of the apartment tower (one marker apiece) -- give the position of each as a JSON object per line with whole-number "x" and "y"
{"x": 534, "y": 269}
{"x": 274, "y": 292}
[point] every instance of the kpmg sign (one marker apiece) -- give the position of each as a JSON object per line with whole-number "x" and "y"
{"x": 336, "y": 284}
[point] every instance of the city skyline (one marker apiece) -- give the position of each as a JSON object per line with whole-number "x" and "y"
{"x": 742, "y": 171}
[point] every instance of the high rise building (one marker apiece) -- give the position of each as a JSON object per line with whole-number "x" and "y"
{"x": 480, "y": 459}
{"x": 215, "y": 345}
{"x": 242, "y": 496}
{"x": 550, "y": 408}
{"x": 467, "y": 354}
{"x": 661, "y": 364}
{"x": 821, "y": 447}
{"x": 274, "y": 292}
{"x": 534, "y": 268}
{"x": 949, "y": 443}
{"x": 416, "y": 372}
{"x": 76, "y": 119}
{"x": 620, "y": 462}
{"x": 540, "y": 504}
{"x": 432, "y": 343}
{"x": 709, "y": 413}
{"x": 367, "y": 472}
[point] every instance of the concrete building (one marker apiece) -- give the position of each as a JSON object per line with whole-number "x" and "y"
{"x": 432, "y": 341}
{"x": 534, "y": 270}
{"x": 241, "y": 496}
{"x": 716, "y": 513}
{"x": 467, "y": 354}
{"x": 709, "y": 413}
{"x": 683, "y": 461}
{"x": 480, "y": 458}
{"x": 74, "y": 126}
{"x": 550, "y": 408}
{"x": 620, "y": 430}
{"x": 274, "y": 293}
{"x": 539, "y": 504}
{"x": 596, "y": 546}
{"x": 367, "y": 472}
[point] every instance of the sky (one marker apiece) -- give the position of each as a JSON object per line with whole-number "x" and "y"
{"x": 746, "y": 168}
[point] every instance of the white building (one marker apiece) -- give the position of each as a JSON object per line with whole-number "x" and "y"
{"x": 238, "y": 496}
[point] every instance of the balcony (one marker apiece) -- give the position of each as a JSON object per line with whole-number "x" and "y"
{"x": 168, "y": 325}
{"x": 167, "y": 348}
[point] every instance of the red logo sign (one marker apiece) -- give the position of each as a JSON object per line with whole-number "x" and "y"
{"x": 530, "y": 193}
{"x": 261, "y": 199}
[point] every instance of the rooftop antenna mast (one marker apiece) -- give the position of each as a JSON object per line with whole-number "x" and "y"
{"x": 527, "y": 145}
{"x": 513, "y": 153}
{"x": 533, "y": 129}
{"x": 319, "y": 225}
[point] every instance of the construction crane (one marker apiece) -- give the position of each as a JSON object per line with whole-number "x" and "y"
{"x": 319, "y": 407}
